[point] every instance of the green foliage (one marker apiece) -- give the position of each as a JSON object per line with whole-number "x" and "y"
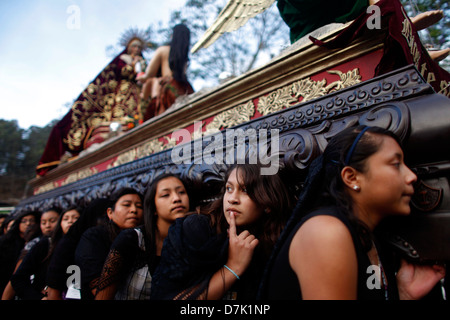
{"x": 20, "y": 151}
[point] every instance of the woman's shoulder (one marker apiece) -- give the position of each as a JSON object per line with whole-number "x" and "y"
{"x": 328, "y": 220}
{"x": 195, "y": 228}
{"x": 95, "y": 233}
{"x": 322, "y": 233}
{"x": 127, "y": 238}
{"x": 195, "y": 220}
{"x": 328, "y": 225}
{"x": 323, "y": 236}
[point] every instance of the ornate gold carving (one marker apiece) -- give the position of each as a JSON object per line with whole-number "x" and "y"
{"x": 307, "y": 89}
{"x": 232, "y": 117}
{"x": 84, "y": 173}
{"x": 46, "y": 187}
{"x": 276, "y": 100}
{"x": 144, "y": 150}
{"x": 125, "y": 157}
{"x": 149, "y": 148}
{"x": 171, "y": 142}
{"x": 106, "y": 99}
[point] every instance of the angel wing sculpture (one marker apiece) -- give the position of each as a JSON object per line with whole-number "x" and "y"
{"x": 233, "y": 16}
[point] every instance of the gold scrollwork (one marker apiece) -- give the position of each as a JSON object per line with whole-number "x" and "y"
{"x": 149, "y": 148}
{"x": 171, "y": 142}
{"x": 232, "y": 117}
{"x": 307, "y": 89}
{"x": 79, "y": 175}
{"x": 144, "y": 150}
{"x": 46, "y": 187}
{"x": 125, "y": 157}
{"x": 276, "y": 100}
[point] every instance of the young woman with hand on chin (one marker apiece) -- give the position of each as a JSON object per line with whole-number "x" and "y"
{"x": 221, "y": 252}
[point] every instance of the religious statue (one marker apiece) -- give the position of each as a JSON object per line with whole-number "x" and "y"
{"x": 112, "y": 97}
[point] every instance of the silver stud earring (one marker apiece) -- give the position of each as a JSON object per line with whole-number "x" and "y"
{"x": 356, "y": 188}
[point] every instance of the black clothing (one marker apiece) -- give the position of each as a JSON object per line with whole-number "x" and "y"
{"x": 64, "y": 252}
{"x": 192, "y": 252}
{"x": 282, "y": 282}
{"x": 63, "y": 256}
{"x": 90, "y": 255}
{"x": 130, "y": 263}
{"x": 10, "y": 248}
{"x": 34, "y": 264}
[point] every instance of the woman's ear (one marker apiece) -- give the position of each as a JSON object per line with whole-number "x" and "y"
{"x": 109, "y": 212}
{"x": 350, "y": 177}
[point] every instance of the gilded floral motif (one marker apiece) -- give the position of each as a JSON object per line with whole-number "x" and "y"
{"x": 307, "y": 89}
{"x": 149, "y": 148}
{"x": 232, "y": 117}
{"x": 84, "y": 173}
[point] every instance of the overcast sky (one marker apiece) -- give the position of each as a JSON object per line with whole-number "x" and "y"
{"x": 51, "y": 49}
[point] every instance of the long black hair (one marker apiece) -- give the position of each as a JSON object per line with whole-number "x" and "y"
{"x": 324, "y": 186}
{"x": 58, "y": 232}
{"x": 348, "y": 148}
{"x": 179, "y": 50}
{"x": 267, "y": 191}
{"x": 150, "y": 216}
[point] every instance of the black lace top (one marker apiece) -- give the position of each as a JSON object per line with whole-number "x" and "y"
{"x": 129, "y": 264}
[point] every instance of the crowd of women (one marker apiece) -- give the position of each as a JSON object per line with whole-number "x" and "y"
{"x": 256, "y": 241}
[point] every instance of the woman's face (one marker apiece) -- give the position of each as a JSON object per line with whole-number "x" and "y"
{"x": 69, "y": 219}
{"x": 171, "y": 199}
{"x": 135, "y": 48}
{"x": 236, "y": 200}
{"x": 49, "y": 220}
{"x": 387, "y": 185}
{"x": 127, "y": 212}
{"x": 25, "y": 223}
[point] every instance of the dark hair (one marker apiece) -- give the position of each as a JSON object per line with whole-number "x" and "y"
{"x": 324, "y": 185}
{"x": 334, "y": 160}
{"x": 15, "y": 228}
{"x": 53, "y": 208}
{"x": 93, "y": 214}
{"x": 179, "y": 50}
{"x": 58, "y": 233}
{"x": 150, "y": 208}
{"x": 5, "y": 223}
{"x": 113, "y": 228}
{"x": 115, "y": 196}
{"x": 268, "y": 192}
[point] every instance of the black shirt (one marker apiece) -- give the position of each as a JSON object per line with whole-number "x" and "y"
{"x": 283, "y": 284}
{"x": 90, "y": 256}
{"x": 34, "y": 264}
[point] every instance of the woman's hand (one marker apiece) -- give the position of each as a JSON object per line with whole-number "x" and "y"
{"x": 241, "y": 248}
{"x": 141, "y": 78}
{"x": 415, "y": 281}
{"x": 240, "y": 252}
